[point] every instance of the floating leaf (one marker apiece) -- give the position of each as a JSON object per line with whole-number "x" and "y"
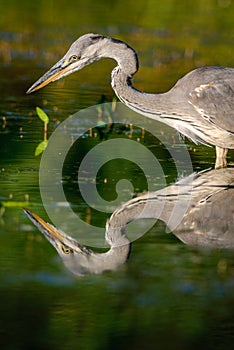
{"x": 41, "y": 147}
{"x": 42, "y": 115}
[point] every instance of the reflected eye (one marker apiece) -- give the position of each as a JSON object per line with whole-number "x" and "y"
{"x": 66, "y": 250}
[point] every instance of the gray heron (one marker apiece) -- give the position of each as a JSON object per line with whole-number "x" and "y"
{"x": 200, "y": 105}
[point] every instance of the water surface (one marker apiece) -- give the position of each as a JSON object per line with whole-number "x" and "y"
{"x": 168, "y": 294}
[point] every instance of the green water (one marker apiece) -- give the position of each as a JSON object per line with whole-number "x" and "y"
{"x": 168, "y": 295}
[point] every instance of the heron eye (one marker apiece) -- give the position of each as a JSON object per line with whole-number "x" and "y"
{"x": 73, "y": 58}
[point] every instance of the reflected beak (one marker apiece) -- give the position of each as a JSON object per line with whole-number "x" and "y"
{"x": 59, "y": 70}
{"x": 59, "y": 239}
{"x": 50, "y": 232}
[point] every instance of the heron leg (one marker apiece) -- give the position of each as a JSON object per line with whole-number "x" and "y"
{"x": 221, "y": 154}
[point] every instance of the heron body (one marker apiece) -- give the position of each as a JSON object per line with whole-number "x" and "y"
{"x": 200, "y": 105}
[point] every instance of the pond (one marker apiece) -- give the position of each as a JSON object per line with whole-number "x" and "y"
{"x": 169, "y": 293}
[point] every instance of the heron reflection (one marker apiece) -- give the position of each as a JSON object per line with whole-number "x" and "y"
{"x": 208, "y": 221}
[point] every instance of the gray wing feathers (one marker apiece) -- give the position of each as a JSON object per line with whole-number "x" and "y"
{"x": 215, "y": 102}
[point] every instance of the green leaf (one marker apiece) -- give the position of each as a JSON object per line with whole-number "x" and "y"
{"x": 13, "y": 204}
{"x": 42, "y": 115}
{"x": 41, "y": 147}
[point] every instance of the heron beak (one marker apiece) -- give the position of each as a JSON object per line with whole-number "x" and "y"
{"x": 59, "y": 70}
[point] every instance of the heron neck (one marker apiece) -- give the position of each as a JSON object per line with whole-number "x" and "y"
{"x": 151, "y": 105}
{"x": 147, "y": 104}
{"x": 122, "y": 53}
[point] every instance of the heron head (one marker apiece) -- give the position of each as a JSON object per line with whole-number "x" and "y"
{"x": 76, "y": 257}
{"x": 82, "y": 52}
